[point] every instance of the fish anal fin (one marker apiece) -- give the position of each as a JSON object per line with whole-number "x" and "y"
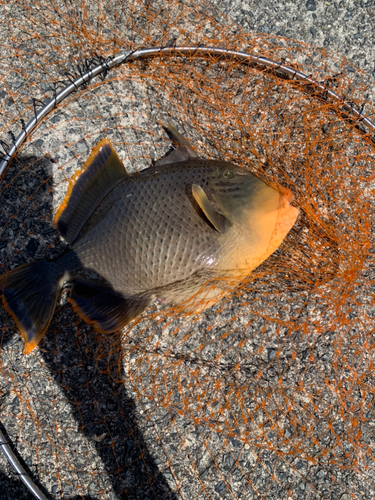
{"x": 105, "y": 309}
{"x": 183, "y": 151}
{"x": 102, "y": 169}
{"x": 219, "y": 221}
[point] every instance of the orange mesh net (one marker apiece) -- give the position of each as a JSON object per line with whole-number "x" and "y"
{"x": 268, "y": 394}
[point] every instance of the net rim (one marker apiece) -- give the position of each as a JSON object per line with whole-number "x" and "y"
{"x": 18, "y": 469}
{"x": 127, "y": 56}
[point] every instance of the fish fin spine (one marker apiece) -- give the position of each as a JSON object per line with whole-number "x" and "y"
{"x": 183, "y": 151}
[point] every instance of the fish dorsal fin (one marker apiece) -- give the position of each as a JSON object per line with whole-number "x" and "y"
{"x": 183, "y": 151}
{"x": 219, "y": 221}
{"x": 102, "y": 169}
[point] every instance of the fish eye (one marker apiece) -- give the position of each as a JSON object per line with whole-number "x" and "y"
{"x": 228, "y": 174}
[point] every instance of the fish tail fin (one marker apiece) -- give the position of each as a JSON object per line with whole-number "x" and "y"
{"x": 30, "y": 294}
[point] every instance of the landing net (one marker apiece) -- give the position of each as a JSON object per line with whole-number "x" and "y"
{"x": 268, "y": 394}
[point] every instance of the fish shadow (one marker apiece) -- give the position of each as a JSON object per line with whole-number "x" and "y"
{"x": 103, "y": 409}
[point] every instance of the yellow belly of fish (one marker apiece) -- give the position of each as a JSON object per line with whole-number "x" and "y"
{"x": 246, "y": 246}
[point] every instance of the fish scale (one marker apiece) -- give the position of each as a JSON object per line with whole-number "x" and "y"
{"x": 154, "y": 244}
{"x": 185, "y": 231}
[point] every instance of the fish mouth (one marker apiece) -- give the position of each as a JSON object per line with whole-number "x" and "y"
{"x": 286, "y": 198}
{"x": 286, "y": 194}
{"x": 287, "y": 213}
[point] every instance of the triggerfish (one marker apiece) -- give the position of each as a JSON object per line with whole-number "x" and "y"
{"x": 185, "y": 231}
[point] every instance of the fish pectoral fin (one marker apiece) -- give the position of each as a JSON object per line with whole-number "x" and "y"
{"x": 183, "y": 151}
{"x": 102, "y": 169}
{"x": 107, "y": 310}
{"x": 219, "y": 221}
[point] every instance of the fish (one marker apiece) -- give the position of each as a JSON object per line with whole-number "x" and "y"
{"x": 184, "y": 231}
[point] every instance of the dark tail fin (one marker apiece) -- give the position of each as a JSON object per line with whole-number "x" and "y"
{"x": 30, "y": 293}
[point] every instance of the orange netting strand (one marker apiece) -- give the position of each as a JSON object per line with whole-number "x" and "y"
{"x": 271, "y": 392}
{"x": 318, "y": 90}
